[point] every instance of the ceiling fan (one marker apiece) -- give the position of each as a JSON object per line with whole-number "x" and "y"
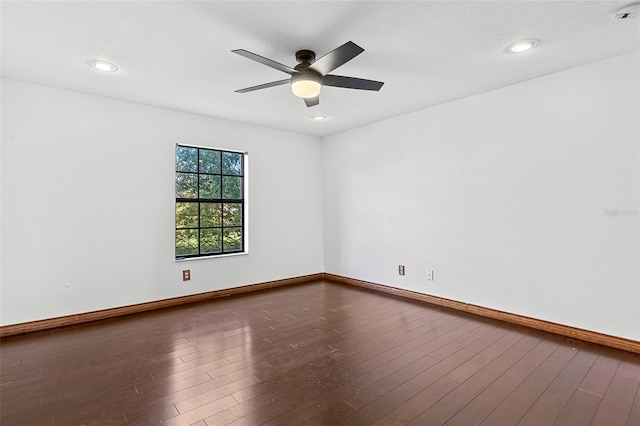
{"x": 308, "y": 77}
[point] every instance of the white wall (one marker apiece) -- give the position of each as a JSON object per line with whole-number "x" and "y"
{"x": 88, "y": 203}
{"x": 505, "y": 195}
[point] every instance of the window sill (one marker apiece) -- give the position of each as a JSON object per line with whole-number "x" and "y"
{"x": 217, "y": 256}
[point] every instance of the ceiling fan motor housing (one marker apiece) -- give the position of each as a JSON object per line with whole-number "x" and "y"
{"x": 306, "y": 83}
{"x": 305, "y": 56}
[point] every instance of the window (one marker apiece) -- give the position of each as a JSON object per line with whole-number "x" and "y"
{"x": 210, "y": 202}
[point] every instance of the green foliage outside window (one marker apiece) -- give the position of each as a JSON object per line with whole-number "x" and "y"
{"x": 209, "y": 202}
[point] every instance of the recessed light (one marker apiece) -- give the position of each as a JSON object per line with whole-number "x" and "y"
{"x": 522, "y": 45}
{"x": 318, "y": 117}
{"x": 100, "y": 65}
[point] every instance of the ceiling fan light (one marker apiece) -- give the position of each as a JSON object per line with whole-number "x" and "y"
{"x": 305, "y": 88}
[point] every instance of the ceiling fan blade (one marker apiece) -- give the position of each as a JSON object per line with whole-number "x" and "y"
{"x": 336, "y": 57}
{"x": 265, "y": 61}
{"x": 264, "y": 86}
{"x": 351, "y": 82}
{"x": 312, "y": 101}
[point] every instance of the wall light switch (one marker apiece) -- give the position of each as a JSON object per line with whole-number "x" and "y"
{"x": 430, "y": 274}
{"x": 186, "y": 275}
{"x": 401, "y": 269}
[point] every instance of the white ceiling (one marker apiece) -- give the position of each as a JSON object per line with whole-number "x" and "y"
{"x": 178, "y": 54}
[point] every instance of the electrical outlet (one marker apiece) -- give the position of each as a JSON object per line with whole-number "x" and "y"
{"x": 186, "y": 275}
{"x": 401, "y": 269}
{"x": 430, "y": 274}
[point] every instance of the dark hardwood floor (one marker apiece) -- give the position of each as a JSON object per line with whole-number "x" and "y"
{"x": 317, "y": 354}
